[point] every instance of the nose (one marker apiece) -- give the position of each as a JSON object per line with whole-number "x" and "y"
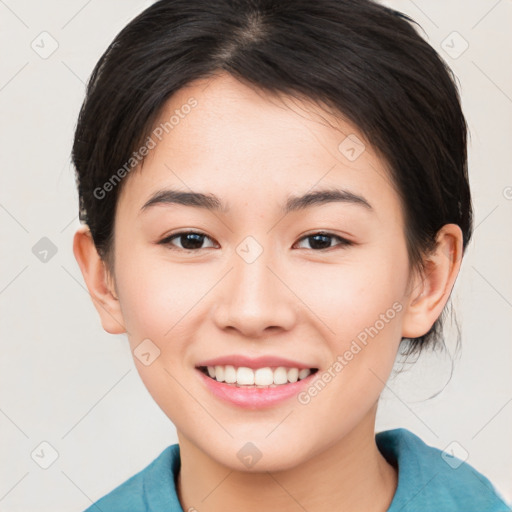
{"x": 255, "y": 298}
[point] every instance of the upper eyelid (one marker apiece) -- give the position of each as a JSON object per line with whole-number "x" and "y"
{"x": 180, "y": 233}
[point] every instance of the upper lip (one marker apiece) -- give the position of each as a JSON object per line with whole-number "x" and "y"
{"x": 254, "y": 362}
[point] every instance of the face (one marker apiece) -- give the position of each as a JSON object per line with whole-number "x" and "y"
{"x": 255, "y": 278}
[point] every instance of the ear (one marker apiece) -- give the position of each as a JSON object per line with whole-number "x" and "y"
{"x": 99, "y": 282}
{"x": 431, "y": 291}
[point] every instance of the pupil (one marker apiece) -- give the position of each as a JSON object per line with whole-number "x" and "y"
{"x": 192, "y": 241}
{"x": 324, "y": 241}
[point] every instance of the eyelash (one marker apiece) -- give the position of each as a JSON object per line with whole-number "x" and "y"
{"x": 167, "y": 241}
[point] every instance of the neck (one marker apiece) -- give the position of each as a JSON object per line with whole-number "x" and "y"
{"x": 350, "y": 476}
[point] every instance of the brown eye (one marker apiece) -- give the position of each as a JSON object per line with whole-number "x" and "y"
{"x": 188, "y": 240}
{"x": 322, "y": 241}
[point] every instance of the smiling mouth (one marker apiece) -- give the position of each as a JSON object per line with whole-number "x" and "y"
{"x": 267, "y": 377}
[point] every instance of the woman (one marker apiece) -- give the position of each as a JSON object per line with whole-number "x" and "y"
{"x": 276, "y": 201}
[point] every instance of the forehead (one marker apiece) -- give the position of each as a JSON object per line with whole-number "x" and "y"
{"x": 246, "y": 146}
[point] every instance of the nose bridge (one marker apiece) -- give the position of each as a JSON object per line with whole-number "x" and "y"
{"x": 254, "y": 298}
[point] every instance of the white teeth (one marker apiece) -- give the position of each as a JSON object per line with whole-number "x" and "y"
{"x": 304, "y": 373}
{"x": 264, "y": 377}
{"x": 280, "y": 375}
{"x": 293, "y": 374}
{"x": 230, "y": 374}
{"x": 267, "y": 376}
{"x": 244, "y": 376}
{"x": 219, "y": 373}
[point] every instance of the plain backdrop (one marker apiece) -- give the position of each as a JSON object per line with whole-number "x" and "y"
{"x": 66, "y": 383}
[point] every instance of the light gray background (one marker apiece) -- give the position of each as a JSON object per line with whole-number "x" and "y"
{"x": 66, "y": 382}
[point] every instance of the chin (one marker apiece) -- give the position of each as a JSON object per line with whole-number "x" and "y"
{"x": 259, "y": 456}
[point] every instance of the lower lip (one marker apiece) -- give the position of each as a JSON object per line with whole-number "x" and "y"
{"x": 252, "y": 397}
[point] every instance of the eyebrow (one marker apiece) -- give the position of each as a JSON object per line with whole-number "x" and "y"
{"x": 294, "y": 203}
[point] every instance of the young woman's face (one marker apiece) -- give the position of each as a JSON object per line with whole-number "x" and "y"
{"x": 256, "y": 282}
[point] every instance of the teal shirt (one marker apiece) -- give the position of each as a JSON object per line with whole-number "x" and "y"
{"x": 427, "y": 482}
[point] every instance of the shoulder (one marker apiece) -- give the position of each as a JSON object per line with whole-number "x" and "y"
{"x": 433, "y": 480}
{"x": 151, "y": 489}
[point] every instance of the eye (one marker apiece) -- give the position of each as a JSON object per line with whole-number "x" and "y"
{"x": 193, "y": 241}
{"x": 189, "y": 240}
{"x": 322, "y": 240}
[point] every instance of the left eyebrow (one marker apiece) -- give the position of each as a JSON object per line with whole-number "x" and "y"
{"x": 212, "y": 203}
{"x": 329, "y": 195}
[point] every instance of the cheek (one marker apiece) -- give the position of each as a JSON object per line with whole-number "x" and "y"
{"x": 362, "y": 303}
{"x": 362, "y": 306}
{"x": 155, "y": 301}
{"x": 354, "y": 294}
{"x": 155, "y": 296}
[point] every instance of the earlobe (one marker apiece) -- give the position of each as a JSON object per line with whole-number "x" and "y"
{"x": 431, "y": 291}
{"x": 98, "y": 281}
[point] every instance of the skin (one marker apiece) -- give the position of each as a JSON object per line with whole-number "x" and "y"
{"x": 253, "y": 150}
